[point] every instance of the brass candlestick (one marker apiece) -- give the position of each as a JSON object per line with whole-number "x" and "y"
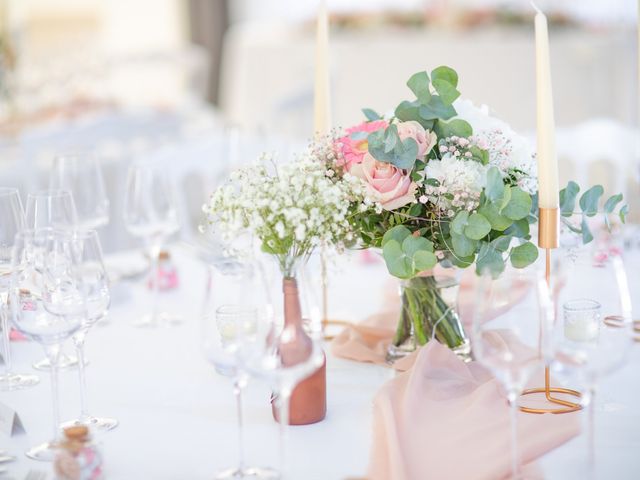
{"x": 548, "y": 227}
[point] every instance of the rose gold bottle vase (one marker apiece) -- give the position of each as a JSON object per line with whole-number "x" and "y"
{"x": 309, "y": 399}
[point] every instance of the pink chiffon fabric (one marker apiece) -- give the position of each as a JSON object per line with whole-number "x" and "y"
{"x": 441, "y": 418}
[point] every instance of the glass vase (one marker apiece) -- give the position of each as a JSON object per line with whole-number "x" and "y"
{"x": 429, "y": 311}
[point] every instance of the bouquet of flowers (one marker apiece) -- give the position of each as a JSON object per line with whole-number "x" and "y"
{"x": 447, "y": 183}
{"x": 290, "y": 208}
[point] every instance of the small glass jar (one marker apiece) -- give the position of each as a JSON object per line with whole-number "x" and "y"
{"x": 78, "y": 457}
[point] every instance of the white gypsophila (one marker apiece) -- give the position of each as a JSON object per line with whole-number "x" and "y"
{"x": 508, "y": 151}
{"x": 460, "y": 183}
{"x": 290, "y": 207}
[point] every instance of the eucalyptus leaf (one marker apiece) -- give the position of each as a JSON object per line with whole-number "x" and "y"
{"x": 489, "y": 260}
{"x": 610, "y": 204}
{"x": 459, "y": 222}
{"x": 463, "y": 246}
{"x": 477, "y": 226}
{"x": 587, "y": 236}
{"x": 419, "y": 85}
{"x": 390, "y": 138}
{"x": 397, "y": 233}
{"x": 457, "y": 127}
{"x": 445, "y": 73}
{"x": 436, "y": 109}
{"x": 495, "y": 185}
{"x": 424, "y": 260}
{"x": 359, "y": 135}
{"x": 411, "y": 245}
{"x": 497, "y": 221}
{"x": 589, "y": 200}
{"x": 519, "y": 229}
{"x": 624, "y": 211}
{"x": 519, "y": 204}
{"x": 448, "y": 92}
{"x": 398, "y": 264}
{"x": 568, "y": 197}
{"x": 371, "y": 115}
{"x": 501, "y": 243}
{"x": 463, "y": 262}
{"x": 524, "y": 255}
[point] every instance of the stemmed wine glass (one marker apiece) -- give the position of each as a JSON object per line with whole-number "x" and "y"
{"x": 95, "y": 288}
{"x": 52, "y": 209}
{"x": 47, "y": 303}
{"x": 593, "y": 330}
{"x": 150, "y": 213}
{"x": 506, "y": 332}
{"x": 81, "y": 175}
{"x": 11, "y": 222}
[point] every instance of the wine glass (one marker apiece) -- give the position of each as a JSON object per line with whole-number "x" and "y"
{"x": 52, "y": 209}
{"x": 150, "y": 213}
{"x": 95, "y": 288}
{"x": 12, "y": 221}
{"x": 47, "y": 303}
{"x": 593, "y": 330}
{"x": 267, "y": 355}
{"x": 506, "y": 332}
{"x": 224, "y": 332}
{"x": 81, "y": 175}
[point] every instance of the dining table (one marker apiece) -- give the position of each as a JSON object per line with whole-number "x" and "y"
{"x": 177, "y": 417}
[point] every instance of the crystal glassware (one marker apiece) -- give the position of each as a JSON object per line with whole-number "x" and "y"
{"x": 510, "y": 310}
{"x": 150, "y": 213}
{"x": 81, "y": 174}
{"x": 47, "y": 303}
{"x": 95, "y": 289}
{"x": 593, "y": 330}
{"x": 52, "y": 209}
{"x": 12, "y": 221}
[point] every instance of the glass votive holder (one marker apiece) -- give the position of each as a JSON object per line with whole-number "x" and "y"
{"x": 581, "y": 320}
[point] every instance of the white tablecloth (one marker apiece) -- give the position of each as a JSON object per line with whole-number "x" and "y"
{"x": 177, "y": 416}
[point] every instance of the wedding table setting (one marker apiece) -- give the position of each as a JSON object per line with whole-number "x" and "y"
{"x": 411, "y": 297}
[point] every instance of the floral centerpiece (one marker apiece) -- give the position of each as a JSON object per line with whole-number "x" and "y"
{"x": 446, "y": 183}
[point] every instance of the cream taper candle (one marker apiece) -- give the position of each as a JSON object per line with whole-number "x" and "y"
{"x": 545, "y": 125}
{"x": 322, "y": 97}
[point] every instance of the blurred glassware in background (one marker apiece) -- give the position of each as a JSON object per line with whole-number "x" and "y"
{"x": 52, "y": 209}
{"x": 12, "y": 222}
{"x": 150, "y": 214}
{"x": 81, "y": 174}
{"x": 96, "y": 295}
{"x": 509, "y": 313}
{"x": 593, "y": 328}
{"x": 47, "y": 303}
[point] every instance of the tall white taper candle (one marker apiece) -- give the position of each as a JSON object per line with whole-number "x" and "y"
{"x": 322, "y": 96}
{"x": 547, "y": 159}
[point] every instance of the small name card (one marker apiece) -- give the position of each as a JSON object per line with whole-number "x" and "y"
{"x": 10, "y": 423}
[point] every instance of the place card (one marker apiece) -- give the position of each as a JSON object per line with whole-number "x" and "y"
{"x": 10, "y": 423}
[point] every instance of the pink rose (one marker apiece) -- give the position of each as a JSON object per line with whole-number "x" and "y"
{"x": 425, "y": 139}
{"x": 391, "y": 186}
{"x": 350, "y": 151}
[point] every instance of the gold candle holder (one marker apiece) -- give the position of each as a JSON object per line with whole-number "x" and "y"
{"x": 548, "y": 228}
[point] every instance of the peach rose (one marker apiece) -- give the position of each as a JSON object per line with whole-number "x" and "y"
{"x": 424, "y": 138}
{"x": 351, "y": 151}
{"x": 391, "y": 186}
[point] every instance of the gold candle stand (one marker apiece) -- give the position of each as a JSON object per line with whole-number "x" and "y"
{"x": 548, "y": 226}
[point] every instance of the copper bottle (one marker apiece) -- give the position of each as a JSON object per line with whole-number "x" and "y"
{"x": 309, "y": 399}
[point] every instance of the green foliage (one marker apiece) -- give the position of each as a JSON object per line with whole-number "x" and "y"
{"x": 457, "y": 126}
{"x": 477, "y": 226}
{"x": 589, "y": 200}
{"x": 371, "y": 115}
{"x": 495, "y": 185}
{"x": 519, "y": 204}
{"x": 524, "y": 255}
{"x": 386, "y": 146}
{"x": 568, "y": 196}
{"x": 419, "y": 85}
{"x": 407, "y": 254}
